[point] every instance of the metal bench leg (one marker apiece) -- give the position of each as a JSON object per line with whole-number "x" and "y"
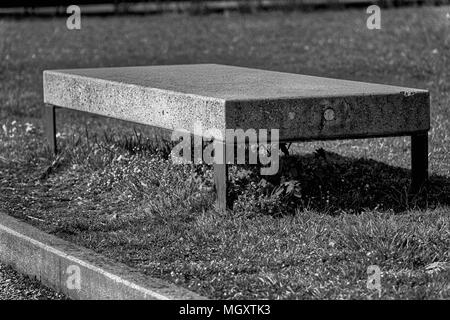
{"x": 221, "y": 180}
{"x": 50, "y": 126}
{"x": 419, "y": 161}
{"x": 284, "y": 148}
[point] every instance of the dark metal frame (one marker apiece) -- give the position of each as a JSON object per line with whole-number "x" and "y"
{"x": 419, "y": 159}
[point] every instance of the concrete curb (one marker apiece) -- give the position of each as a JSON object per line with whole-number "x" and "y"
{"x": 77, "y": 272}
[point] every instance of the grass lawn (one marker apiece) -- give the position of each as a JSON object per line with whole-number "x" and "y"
{"x": 310, "y": 232}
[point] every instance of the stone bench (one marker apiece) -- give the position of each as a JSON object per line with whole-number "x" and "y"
{"x": 302, "y": 108}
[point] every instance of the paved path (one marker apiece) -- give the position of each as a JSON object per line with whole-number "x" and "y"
{"x": 14, "y": 286}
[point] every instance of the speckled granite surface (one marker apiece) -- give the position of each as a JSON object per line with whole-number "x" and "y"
{"x": 217, "y": 96}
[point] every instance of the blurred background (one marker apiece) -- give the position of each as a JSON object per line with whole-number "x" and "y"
{"x": 57, "y": 7}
